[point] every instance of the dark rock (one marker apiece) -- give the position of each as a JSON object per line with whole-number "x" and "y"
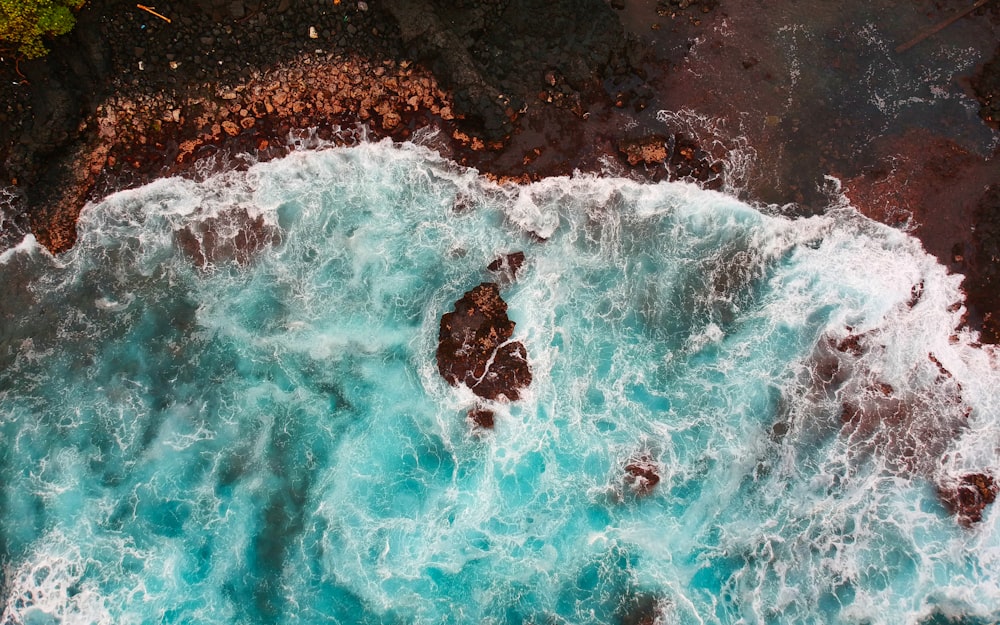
{"x": 445, "y": 50}
{"x": 508, "y": 265}
{"x": 642, "y": 475}
{"x": 969, "y": 497}
{"x": 641, "y": 609}
{"x": 916, "y": 292}
{"x": 474, "y": 346}
{"x": 986, "y": 86}
{"x": 205, "y": 244}
{"x": 982, "y": 284}
{"x": 481, "y": 418}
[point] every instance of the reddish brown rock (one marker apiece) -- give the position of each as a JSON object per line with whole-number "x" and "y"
{"x": 969, "y": 497}
{"x": 474, "y": 346}
{"x": 642, "y": 475}
{"x": 651, "y": 150}
{"x": 209, "y": 242}
{"x": 481, "y": 418}
{"x": 674, "y": 157}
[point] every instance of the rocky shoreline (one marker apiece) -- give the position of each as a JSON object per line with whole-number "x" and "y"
{"x": 519, "y": 89}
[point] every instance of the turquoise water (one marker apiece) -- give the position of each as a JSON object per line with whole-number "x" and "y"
{"x": 261, "y": 436}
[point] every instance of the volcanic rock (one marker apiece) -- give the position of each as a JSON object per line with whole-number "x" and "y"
{"x": 474, "y": 346}
{"x": 969, "y": 497}
{"x": 482, "y": 418}
{"x": 507, "y": 265}
{"x": 641, "y": 475}
{"x": 232, "y": 236}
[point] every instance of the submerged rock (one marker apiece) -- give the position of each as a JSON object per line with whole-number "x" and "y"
{"x": 507, "y": 265}
{"x": 642, "y": 475}
{"x": 474, "y": 346}
{"x": 232, "y": 236}
{"x": 481, "y": 418}
{"x": 969, "y": 497}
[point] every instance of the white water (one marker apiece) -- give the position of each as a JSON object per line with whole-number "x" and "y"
{"x": 267, "y": 439}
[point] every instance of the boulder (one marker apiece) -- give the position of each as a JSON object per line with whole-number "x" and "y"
{"x": 642, "y": 475}
{"x": 474, "y": 346}
{"x": 481, "y": 418}
{"x": 967, "y": 498}
{"x": 507, "y": 266}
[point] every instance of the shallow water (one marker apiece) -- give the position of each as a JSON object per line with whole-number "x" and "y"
{"x": 259, "y": 433}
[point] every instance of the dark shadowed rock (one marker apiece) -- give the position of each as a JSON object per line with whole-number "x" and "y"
{"x": 967, "y": 498}
{"x": 474, "y": 346}
{"x": 982, "y": 283}
{"x": 231, "y": 236}
{"x": 481, "y": 418}
{"x": 641, "y": 609}
{"x": 507, "y": 265}
{"x": 986, "y": 85}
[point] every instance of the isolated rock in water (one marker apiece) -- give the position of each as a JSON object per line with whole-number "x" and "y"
{"x": 507, "y": 265}
{"x": 474, "y": 346}
{"x": 482, "y": 418}
{"x": 641, "y": 475}
{"x": 969, "y": 497}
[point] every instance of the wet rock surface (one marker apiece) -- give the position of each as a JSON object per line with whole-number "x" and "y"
{"x": 642, "y": 474}
{"x": 481, "y": 418}
{"x": 967, "y": 499}
{"x": 230, "y": 237}
{"x": 909, "y": 432}
{"x": 673, "y": 157}
{"x": 474, "y": 346}
{"x": 507, "y": 266}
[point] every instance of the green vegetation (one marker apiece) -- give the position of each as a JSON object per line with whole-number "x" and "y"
{"x": 24, "y": 22}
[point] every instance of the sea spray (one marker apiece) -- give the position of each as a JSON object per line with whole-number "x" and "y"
{"x": 260, "y": 433}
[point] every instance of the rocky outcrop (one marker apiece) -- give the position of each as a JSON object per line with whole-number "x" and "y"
{"x": 481, "y": 418}
{"x": 642, "y": 475}
{"x": 675, "y": 157}
{"x": 474, "y": 346}
{"x": 232, "y": 236}
{"x": 507, "y": 266}
{"x": 969, "y": 496}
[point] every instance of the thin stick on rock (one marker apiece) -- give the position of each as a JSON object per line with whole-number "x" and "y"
{"x": 152, "y": 12}
{"x": 939, "y": 27}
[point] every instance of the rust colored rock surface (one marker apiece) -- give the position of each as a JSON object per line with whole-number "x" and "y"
{"x": 642, "y": 475}
{"x": 482, "y": 419}
{"x": 969, "y": 497}
{"x": 474, "y": 346}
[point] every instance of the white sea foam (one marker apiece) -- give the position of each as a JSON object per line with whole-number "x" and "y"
{"x": 270, "y": 438}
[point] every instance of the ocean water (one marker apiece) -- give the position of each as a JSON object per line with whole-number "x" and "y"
{"x": 222, "y": 406}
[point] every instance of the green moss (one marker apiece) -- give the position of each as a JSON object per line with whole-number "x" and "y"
{"x": 24, "y": 22}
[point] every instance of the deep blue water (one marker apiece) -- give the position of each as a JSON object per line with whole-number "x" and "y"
{"x": 266, "y": 439}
